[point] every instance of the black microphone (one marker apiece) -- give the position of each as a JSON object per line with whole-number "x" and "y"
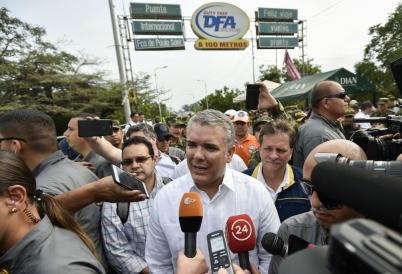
{"x": 375, "y": 195}
{"x": 274, "y": 245}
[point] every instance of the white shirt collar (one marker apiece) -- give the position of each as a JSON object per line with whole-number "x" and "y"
{"x": 284, "y": 183}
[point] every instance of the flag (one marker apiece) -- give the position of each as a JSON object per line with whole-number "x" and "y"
{"x": 290, "y": 66}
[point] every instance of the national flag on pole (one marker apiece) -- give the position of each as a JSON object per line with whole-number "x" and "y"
{"x": 290, "y": 66}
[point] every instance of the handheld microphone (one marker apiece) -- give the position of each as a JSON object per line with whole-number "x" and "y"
{"x": 375, "y": 195}
{"x": 274, "y": 245}
{"x": 190, "y": 218}
{"x": 241, "y": 237}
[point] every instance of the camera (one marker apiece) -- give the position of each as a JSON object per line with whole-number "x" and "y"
{"x": 392, "y": 168}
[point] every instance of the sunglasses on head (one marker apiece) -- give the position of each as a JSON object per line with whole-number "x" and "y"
{"x": 340, "y": 95}
{"x": 326, "y": 203}
{"x": 161, "y": 139}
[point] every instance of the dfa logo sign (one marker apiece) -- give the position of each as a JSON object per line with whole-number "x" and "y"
{"x": 220, "y": 26}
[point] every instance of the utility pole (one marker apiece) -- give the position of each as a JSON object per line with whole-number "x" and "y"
{"x": 123, "y": 79}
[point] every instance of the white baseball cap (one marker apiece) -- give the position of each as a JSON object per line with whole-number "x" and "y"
{"x": 241, "y": 116}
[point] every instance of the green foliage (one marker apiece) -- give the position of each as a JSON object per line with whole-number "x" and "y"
{"x": 37, "y": 74}
{"x": 385, "y": 46}
{"x": 274, "y": 74}
{"x": 222, "y": 100}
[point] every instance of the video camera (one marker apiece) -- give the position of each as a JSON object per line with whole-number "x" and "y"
{"x": 382, "y": 149}
{"x": 357, "y": 246}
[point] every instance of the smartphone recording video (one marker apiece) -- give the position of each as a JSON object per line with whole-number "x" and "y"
{"x": 89, "y": 128}
{"x": 128, "y": 181}
{"x": 252, "y": 94}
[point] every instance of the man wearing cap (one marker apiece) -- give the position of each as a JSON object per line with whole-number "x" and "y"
{"x": 257, "y": 127}
{"x": 382, "y": 111}
{"x": 176, "y": 127}
{"x": 245, "y": 143}
{"x": 116, "y": 139}
{"x": 299, "y": 117}
{"x": 281, "y": 180}
{"x": 348, "y": 128}
{"x": 163, "y": 139}
{"x": 230, "y": 113}
{"x": 313, "y": 226}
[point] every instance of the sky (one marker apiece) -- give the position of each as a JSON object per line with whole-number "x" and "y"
{"x": 337, "y": 32}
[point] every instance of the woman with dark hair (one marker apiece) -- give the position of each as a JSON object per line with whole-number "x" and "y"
{"x": 36, "y": 234}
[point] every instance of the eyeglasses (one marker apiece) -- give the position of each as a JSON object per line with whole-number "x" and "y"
{"x": 161, "y": 139}
{"x": 340, "y": 95}
{"x": 138, "y": 160}
{"x": 326, "y": 203}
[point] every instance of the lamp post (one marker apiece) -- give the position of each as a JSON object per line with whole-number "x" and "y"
{"x": 206, "y": 93}
{"x": 156, "y": 88}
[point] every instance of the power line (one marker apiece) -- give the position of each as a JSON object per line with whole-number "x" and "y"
{"x": 325, "y": 10}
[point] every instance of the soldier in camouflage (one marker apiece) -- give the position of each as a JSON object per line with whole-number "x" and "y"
{"x": 382, "y": 111}
{"x": 176, "y": 127}
{"x": 348, "y": 128}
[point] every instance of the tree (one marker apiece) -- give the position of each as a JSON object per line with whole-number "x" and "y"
{"x": 384, "y": 47}
{"x": 272, "y": 73}
{"x": 222, "y": 100}
{"x": 37, "y": 74}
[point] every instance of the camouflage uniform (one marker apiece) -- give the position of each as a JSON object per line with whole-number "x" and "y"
{"x": 351, "y": 130}
{"x": 181, "y": 142}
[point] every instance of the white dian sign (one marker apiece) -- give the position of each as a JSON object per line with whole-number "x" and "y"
{"x": 220, "y": 22}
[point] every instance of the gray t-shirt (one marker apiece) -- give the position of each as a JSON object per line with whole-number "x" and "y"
{"x": 314, "y": 132}
{"x": 50, "y": 249}
{"x": 56, "y": 175}
{"x": 103, "y": 167}
{"x": 304, "y": 226}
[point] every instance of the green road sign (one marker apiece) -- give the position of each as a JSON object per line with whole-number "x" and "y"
{"x": 155, "y": 11}
{"x": 277, "y": 28}
{"x": 267, "y": 14}
{"x": 159, "y": 44}
{"x": 277, "y": 42}
{"x": 157, "y": 27}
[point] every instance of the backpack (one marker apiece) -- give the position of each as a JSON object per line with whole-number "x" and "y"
{"x": 123, "y": 209}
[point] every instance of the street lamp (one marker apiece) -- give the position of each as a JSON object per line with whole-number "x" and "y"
{"x": 206, "y": 93}
{"x": 156, "y": 88}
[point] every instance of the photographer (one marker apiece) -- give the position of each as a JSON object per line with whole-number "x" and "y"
{"x": 314, "y": 226}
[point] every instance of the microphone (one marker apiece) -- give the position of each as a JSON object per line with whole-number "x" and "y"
{"x": 190, "y": 218}
{"x": 375, "y": 195}
{"x": 274, "y": 245}
{"x": 241, "y": 238}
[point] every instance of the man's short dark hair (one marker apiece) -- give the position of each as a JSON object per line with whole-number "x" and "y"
{"x": 279, "y": 126}
{"x": 83, "y": 115}
{"x": 365, "y": 105}
{"x": 133, "y": 114}
{"x": 139, "y": 114}
{"x": 145, "y": 128}
{"x": 34, "y": 126}
{"x": 139, "y": 140}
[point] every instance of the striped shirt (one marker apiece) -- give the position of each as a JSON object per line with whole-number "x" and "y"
{"x": 125, "y": 244}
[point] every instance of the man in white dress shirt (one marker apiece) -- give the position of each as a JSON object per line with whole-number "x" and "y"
{"x": 365, "y": 110}
{"x": 224, "y": 193}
